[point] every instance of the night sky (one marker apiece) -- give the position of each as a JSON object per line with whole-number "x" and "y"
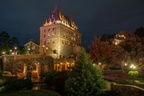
{"x": 23, "y": 18}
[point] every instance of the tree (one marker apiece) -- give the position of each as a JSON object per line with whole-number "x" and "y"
{"x": 85, "y": 79}
{"x": 100, "y": 51}
{"x": 7, "y": 43}
{"x": 133, "y": 45}
{"x": 139, "y": 32}
{"x": 4, "y": 48}
{"x": 13, "y": 42}
{"x": 4, "y": 37}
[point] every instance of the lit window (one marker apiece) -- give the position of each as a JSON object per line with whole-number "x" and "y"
{"x": 68, "y": 43}
{"x": 48, "y": 34}
{"x": 71, "y": 38}
{"x": 53, "y": 33}
{"x": 74, "y": 34}
{"x": 74, "y": 39}
{"x": 33, "y": 47}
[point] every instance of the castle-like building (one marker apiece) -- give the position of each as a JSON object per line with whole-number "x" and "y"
{"x": 59, "y": 36}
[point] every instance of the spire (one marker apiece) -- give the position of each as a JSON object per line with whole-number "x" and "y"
{"x": 56, "y": 14}
{"x": 56, "y": 10}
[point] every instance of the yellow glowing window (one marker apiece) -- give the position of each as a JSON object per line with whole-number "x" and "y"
{"x": 53, "y": 33}
{"x": 68, "y": 43}
{"x": 48, "y": 34}
{"x": 71, "y": 38}
{"x": 74, "y": 39}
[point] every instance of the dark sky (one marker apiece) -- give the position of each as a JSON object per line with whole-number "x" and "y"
{"x": 23, "y": 18}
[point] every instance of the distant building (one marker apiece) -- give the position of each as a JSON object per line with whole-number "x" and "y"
{"x": 31, "y": 47}
{"x": 59, "y": 36}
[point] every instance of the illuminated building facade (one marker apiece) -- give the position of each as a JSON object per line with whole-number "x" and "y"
{"x": 31, "y": 47}
{"x": 59, "y": 36}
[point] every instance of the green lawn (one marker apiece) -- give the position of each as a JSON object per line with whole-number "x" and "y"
{"x": 140, "y": 79}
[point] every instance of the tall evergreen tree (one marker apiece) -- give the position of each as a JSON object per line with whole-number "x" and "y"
{"x": 4, "y": 37}
{"x": 13, "y": 42}
{"x": 85, "y": 79}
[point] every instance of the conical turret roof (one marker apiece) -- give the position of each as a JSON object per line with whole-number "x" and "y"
{"x": 58, "y": 15}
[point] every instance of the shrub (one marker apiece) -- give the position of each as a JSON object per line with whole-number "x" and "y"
{"x": 1, "y": 73}
{"x": 59, "y": 81}
{"x": 85, "y": 79}
{"x": 6, "y": 80}
{"x": 16, "y": 85}
{"x": 49, "y": 77}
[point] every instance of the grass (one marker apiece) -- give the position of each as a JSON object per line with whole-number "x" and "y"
{"x": 31, "y": 93}
{"x": 140, "y": 79}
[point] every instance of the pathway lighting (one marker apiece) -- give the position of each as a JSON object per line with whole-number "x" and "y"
{"x": 133, "y": 72}
{"x": 132, "y": 66}
{"x": 10, "y": 50}
{"x": 99, "y": 63}
{"x": 3, "y": 52}
{"x": 15, "y": 48}
{"x": 125, "y": 64}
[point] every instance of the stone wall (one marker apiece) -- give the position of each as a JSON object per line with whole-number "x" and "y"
{"x": 27, "y": 64}
{"x": 127, "y": 90}
{"x": 139, "y": 84}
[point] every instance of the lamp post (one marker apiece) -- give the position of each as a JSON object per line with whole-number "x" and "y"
{"x": 3, "y": 52}
{"x": 15, "y": 48}
{"x": 132, "y": 66}
{"x": 100, "y": 65}
{"x": 133, "y": 72}
{"x": 10, "y": 50}
{"x": 43, "y": 48}
{"x": 29, "y": 51}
